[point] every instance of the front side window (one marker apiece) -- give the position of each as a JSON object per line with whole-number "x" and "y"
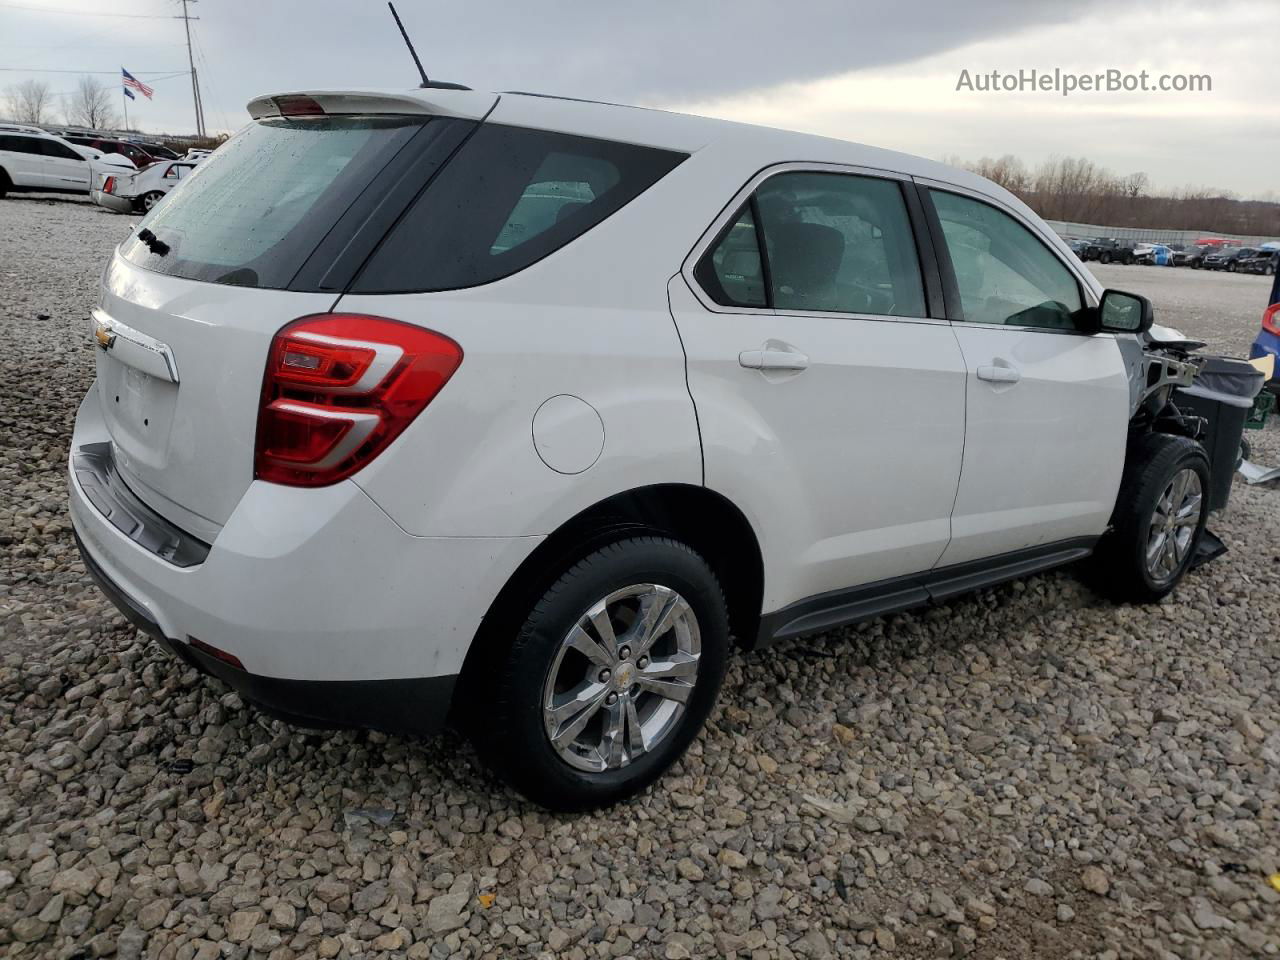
{"x": 832, "y": 242}
{"x": 509, "y": 197}
{"x": 1005, "y": 273}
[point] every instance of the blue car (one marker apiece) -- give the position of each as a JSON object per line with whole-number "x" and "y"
{"x": 1268, "y": 339}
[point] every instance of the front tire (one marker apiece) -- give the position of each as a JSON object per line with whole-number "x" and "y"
{"x": 5, "y": 184}
{"x": 609, "y": 678}
{"x": 1159, "y": 517}
{"x": 1105, "y": 258}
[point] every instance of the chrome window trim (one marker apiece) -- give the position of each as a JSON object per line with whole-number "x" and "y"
{"x": 735, "y": 203}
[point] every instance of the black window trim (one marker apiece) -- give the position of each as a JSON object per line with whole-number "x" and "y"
{"x": 745, "y": 196}
{"x": 951, "y": 287}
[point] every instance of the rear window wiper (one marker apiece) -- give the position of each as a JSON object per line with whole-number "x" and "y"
{"x": 153, "y": 243}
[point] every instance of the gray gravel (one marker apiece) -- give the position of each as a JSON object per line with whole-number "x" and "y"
{"x": 1027, "y": 773}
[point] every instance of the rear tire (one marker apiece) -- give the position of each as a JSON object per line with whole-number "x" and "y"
{"x": 148, "y": 200}
{"x": 1159, "y": 517}
{"x": 525, "y": 694}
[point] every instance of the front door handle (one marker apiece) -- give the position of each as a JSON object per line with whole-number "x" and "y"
{"x": 998, "y": 374}
{"x": 773, "y": 360}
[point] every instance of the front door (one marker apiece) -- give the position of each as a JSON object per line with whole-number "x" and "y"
{"x": 1047, "y": 402}
{"x": 830, "y": 402}
{"x": 64, "y": 169}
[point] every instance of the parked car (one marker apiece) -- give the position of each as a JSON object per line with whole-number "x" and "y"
{"x": 140, "y": 191}
{"x": 157, "y": 150}
{"x": 1260, "y": 261}
{"x": 516, "y": 408}
{"x": 1153, "y": 254}
{"x": 141, "y": 157}
{"x": 1077, "y": 246}
{"x": 41, "y": 162}
{"x": 1227, "y": 258}
{"x": 1108, "y": 249}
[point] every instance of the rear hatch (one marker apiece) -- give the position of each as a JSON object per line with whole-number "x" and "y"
{"x": 191, "y": 301}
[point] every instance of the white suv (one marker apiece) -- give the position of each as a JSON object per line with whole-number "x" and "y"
{"x": 31, "y": 160}
{"x": 513, "y": 410}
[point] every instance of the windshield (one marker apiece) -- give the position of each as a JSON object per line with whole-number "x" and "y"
{"x": 253, "y": 212}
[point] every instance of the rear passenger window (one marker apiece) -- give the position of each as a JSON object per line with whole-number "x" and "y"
{"x": 508, "y": 197}
{"x": 1005, "y": 273}
{"x": 731, "y": 273}
{"x": 832, "y": 242}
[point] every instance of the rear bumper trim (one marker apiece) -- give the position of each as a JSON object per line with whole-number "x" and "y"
{"x": 417, "y": 705}
{"x": 95, "y": 468}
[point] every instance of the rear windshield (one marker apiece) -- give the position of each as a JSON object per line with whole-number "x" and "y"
{"x": 252, "y": 212}
{"x": 508, "y": 198}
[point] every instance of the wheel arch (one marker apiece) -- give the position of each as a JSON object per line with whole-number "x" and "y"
{"x": 707, "y": 521}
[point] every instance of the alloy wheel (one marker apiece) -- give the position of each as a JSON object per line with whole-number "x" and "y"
{"x": 621, "y": 678}
{"x": 1173, "y": 525}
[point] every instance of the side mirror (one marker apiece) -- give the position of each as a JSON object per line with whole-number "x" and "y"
{"x": 1121, "y": 312}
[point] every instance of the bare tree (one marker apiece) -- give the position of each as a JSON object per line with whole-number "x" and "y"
{"x": 91, "y": 105}
{"x": 29, "y": 101}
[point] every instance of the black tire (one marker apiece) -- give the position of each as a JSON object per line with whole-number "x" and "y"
{"x": 148, "y": 201}
{"x": 1128, "y": 259}
{"x": 5, "y": 184}
{"x": 1105, "y": 257}
{"x": 1151, "y": 465}
{"x": 507, "y": 720}
{"x": 1268, "y": 271}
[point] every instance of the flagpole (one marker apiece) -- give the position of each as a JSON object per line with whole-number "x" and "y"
{"x": 124, "y": 99}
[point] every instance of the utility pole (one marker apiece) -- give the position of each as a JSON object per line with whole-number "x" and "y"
{"x": 195, "y": 83}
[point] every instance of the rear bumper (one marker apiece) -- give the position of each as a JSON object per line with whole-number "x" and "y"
{"x": 337, "y": 615}
{"x": 111, "y": 201}
{"x": 414, "y": 706}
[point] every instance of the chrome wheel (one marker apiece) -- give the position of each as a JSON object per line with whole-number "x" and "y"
{"x": 1174, "y": 524}
{"x": 621, "y": 678}
{"x": 150, "y": 200}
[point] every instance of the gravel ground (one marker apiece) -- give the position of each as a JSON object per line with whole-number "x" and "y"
{"x": 1029, "y": 772}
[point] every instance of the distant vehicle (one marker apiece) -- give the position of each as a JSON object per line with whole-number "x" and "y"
{"x": 139, "y": 192}
{"x": 1107, "y": 249}
{"x": 1213, "y": 242}
{"x": 1227, "y": 258}
{"x": 140, "y": 156}
{"x": 1078, "y": 247}
{"x": 157, "y": 150}
{"x": 41, "y": 162}
{"x": 1262, "y": 261}
{"x": 1153, "y": 254}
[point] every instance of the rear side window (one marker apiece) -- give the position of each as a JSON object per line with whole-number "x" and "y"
{"x": 52, "y": 148}
{"x": 508, "y": 198}
{"x": 833, "y": 242}
{"x": 253, "y": 212}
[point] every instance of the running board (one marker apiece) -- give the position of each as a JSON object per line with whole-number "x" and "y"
{"x": 843, "y": 607}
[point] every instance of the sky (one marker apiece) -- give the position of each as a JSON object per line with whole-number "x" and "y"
{"x": 885, "y": 73}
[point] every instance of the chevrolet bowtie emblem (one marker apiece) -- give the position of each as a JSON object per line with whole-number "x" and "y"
{"x": 102, "y": 333}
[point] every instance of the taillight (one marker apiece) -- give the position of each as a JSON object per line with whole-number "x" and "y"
{"x": 1271, "y": 319}
{"x": 109, "y": 185}
{"x": 339, "y": 388}
{"x": 297, "y": 106}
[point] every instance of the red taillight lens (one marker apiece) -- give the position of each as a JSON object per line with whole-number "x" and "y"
{"x": 109, "y": 186}
{"x": 339, "y": 388}
{"x": 1271, "y": 319}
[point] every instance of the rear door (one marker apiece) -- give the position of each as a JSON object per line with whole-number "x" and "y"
{"x": 1048, "y": 402}
{"x": 830, "y": 397}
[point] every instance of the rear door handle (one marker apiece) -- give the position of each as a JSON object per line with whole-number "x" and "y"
{"x": 994, "y": 374}
{"x": 773, "y": 360}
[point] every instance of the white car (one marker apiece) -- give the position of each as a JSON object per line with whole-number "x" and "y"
{"x": 34, "y": 161}
{"x": 514, "y": 409}
{"x": 140, "y": 191}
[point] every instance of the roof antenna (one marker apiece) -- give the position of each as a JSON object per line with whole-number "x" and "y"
{"x": 409, "y": 43}
{"x": 426, "y": 83}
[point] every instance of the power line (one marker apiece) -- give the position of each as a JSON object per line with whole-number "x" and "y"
{"x": 137, "y": 73}
{"x": 92, "y": 13}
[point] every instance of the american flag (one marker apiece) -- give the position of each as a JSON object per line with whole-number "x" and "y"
{"x": 131, "y": 81}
